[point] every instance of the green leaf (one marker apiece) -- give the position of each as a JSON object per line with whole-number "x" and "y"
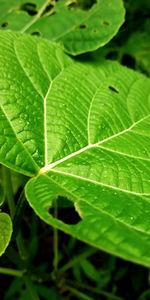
{"x": 138, "y": 46}
{"x": 90, "y": 270}
{"x": 5, "y": 231}
{"x": 82, "y": 132}
{"x": 77, "y": 29}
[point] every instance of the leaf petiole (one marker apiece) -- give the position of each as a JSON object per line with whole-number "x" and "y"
{"x": 12, "y": 272}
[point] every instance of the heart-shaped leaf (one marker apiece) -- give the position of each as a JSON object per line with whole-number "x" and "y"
{"x": 81, "y": 131}
{"x": 5, "y": 231}
{"x": 78, "y": 29}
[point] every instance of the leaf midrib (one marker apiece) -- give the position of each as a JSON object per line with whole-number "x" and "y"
{"x": 33, "y": 20}
{"x": 41, "y": 96}
{"x": 48, "y": 167}
{"x": 75, "y": 25}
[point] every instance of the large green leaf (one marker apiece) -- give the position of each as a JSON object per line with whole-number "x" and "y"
{"x": 81, "y": 131}
{"x": 5, "y": 231}
{"x": 77, "y": 29}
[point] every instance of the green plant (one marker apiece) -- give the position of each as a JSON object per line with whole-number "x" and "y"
{"x": 77, "y": 131}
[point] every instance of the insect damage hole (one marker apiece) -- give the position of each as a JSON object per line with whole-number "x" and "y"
{"x": 30, "y": 8}
{"x": 113, "y": 89}
{"x": 83, "y": 26}
{"x": 4, "y": 25}
{"x": 128, "y": 60}
{"x": 36, "y": 33}
{"x": 64, "y": 210}
{"x": 106, "y": 23}
{"x": 49, "y": 10}
{"x": 80, "y": 4}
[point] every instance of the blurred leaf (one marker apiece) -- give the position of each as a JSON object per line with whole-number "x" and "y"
{"x": 138, "y": 46}
{"x": 89, "y": 270}
{"x": 145, "y": 295}
{"x": 76, "y": 269}
{"x": 48, "y": 293}
{"x": 77, "y": 29}
{"x": 15, "y": 287}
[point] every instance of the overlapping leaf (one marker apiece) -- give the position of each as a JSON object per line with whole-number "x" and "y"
{"x": 81, "y": 131}
{"x": 5, "y": 231}
{"x": 5, "y": 221}
{"x": 138, "y": 46}
{"x": 77, "y": 29}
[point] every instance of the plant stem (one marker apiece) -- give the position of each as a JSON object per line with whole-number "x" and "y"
{"x": 18, "y": 214}
{"x": 21, "y": 247}
{"x": 8, "y": 190}
{"x": 94, "y": 290}
{"x": 12, "y": 272}
{"x": 78, "y": 293}
{"x": 77, "y": 259}
{"x": 14, "y": 257}
{"x": 31, "y": 289}
{"x": 11, "y": 204}
{"x": 55, "y": 261}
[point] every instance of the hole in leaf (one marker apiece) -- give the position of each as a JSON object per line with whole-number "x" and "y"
{"x": 53, "y": 13}
{"x": 4, "y": 25}
{"x": 36, "y": 33}
{"x": 65, "y": 211}
{"x": 112, "y": 55}
{"x": 82, "y": 26}
{"x": 48, "y": 9}
{"x": 81, "y": 4}
{"x": 106, "y": 23}
{"x": 94, "y": 30}
{"x": 30, "y": 8}
{"x": 72, "y": 5}
{"x": 129, "y": 61}
{"x": 113, "y": 89}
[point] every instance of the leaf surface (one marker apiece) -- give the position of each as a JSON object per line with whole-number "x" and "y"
{"x": 82, "y": 132}
{"x": 5, "y": 231}
{"x": 77, "y": 29}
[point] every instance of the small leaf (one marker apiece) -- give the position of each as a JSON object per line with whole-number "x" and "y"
{"x": 82, "y": 132}
{"x": 5, "y": 231}
{"x": 77, "y": 29}
{"x": 89, "y": 270}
